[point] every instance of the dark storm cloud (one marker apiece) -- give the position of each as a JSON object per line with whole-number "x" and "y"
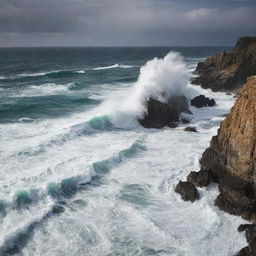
{"x": 120, "y": 22}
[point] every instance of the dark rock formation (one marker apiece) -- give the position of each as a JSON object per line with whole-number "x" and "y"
{"x": 187, "y": 191}
{"x": 190, "y": 129}
{"x": 185, "y": 121}
{"x": 228, "y": 71}
{"x": 232, "y": 156}
{"x": 202, "y": 101}
{"x": 161, "y": 114}
{"x": 249, "y": 250}
{"x": 200, "y": 179}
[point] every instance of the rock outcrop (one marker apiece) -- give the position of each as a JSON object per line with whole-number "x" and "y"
{"x": 231, "y": 156}
{"x": 228, "y": 71}
{"x": 202, "y": 101}
{"x": 249, "y": 250}
{"x": 187, "y": 191}
{"x": 161, "y": 114}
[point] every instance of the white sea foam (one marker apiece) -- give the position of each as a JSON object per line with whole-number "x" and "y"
{"x": 113, "y": 66}
{"x": 45, "y": 89}
{"x": 159, "y": 78}
{"x": 134, "y": 209}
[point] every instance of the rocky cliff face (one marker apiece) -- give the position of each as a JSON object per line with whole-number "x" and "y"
{"x": 231, "y": 156}
{"x": 228, "y": 71}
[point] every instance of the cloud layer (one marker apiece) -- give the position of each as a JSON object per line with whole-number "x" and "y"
{"x": 120, "y": 22}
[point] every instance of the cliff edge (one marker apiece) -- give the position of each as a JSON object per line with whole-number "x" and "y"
{"x": 228, "y": 71}
{"x": 231, "y": 157}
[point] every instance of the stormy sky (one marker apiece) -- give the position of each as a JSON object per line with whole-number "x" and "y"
{"x": 125, "y": 22}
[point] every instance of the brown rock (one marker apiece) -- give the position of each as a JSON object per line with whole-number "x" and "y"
{"x": 187, "y": 191}
{"x": 228, "y": 71}
{"x": 232, "y": 155}
{"x": 199, "y": 179}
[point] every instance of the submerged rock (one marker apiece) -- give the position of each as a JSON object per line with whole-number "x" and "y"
{"x": 202, "y": 101}
{"x": 190, "y": 129}
{"x": 160, "y": 114}
{"x": 232, "y": 155}
{"x": 228, "y": 71}
{"x": 187, "y": 191}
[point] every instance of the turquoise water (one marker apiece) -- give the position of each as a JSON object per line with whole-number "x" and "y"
{"x": 80, "y": 176}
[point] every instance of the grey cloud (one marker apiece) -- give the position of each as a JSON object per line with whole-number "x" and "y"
{"x": 119, "y": 22}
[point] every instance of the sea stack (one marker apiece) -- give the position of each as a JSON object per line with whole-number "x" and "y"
{"x": 228, "y": 71}
{"x": 232, "y": 155}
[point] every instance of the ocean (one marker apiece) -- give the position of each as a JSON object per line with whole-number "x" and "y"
{"x": 80, "y": 176}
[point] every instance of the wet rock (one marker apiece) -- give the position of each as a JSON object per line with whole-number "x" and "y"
{"x": 187, "y": 191}
{"x": 202, "y": 101}
{"x": 243, "y": 227}
{"x": 232, "y": 155}
{"x": 244, "y": 252}
{"x": 250, "y": 233}
{"x": 185, "y": 121}
{"x": 190, "y": 129}
{"x": 199, "y": 179}
{"x": 228, "y": 71}
{"x": 161, "y": 114}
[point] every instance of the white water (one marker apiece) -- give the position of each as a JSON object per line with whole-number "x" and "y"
{"x": 134, "y": 211}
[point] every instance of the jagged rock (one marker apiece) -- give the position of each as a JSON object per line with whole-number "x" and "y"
{"x": 232, "y": 155}
{"x": 244, "y": 252}
{"x": 243, "y": 227}
{"x": 199, "y": 179}
{"x": 228, "y": 71}
{"x": 202, "y": 101}
{"x": 187, "y": 191}
{"x": 161, "y": 114}
{"x": 250, "y": 233}
{"x": 190, "y": 129}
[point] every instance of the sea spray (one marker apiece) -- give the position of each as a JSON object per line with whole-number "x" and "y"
{"x": 159, "y": 79}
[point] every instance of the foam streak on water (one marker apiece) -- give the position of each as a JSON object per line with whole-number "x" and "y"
{"x": 87, "y": 179}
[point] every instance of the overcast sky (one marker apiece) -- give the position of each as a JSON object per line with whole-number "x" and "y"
{"x": 125, "y": 22}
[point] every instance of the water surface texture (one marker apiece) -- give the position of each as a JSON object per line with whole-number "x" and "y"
{"x": 80, "y": 176}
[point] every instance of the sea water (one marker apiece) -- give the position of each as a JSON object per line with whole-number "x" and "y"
{"x": 80, "y": 176}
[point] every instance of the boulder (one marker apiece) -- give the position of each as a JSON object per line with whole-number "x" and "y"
{"x": 199, "y": 179}
{"x": 228, "y": 71}
{"x": 202, "y": 101}
{"x": 187, "y": 191}
{"x": 190, "y": 129}
{"x": 160, "y": 114}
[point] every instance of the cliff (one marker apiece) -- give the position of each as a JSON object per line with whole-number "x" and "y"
{"x": 231, "y": 156}
{"x": 228, "y": 71}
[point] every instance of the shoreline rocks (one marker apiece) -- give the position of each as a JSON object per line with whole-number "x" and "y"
{"x": 228, "y": 71}
{"x": 232, "y": 156}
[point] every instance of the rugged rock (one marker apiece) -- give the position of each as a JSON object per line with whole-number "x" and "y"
{"x": 187, "y": 191}
{"x": 250, "y": 250}
{"x": 202, "y": 101}
{"x": 190, "y": 129}
{"x": 199, "y": 179}
{"x": 232, "y": 155}
{"x": 228, "y": 71}
{"x": 244, "y": 252}
{"x": 161, "y": 114}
